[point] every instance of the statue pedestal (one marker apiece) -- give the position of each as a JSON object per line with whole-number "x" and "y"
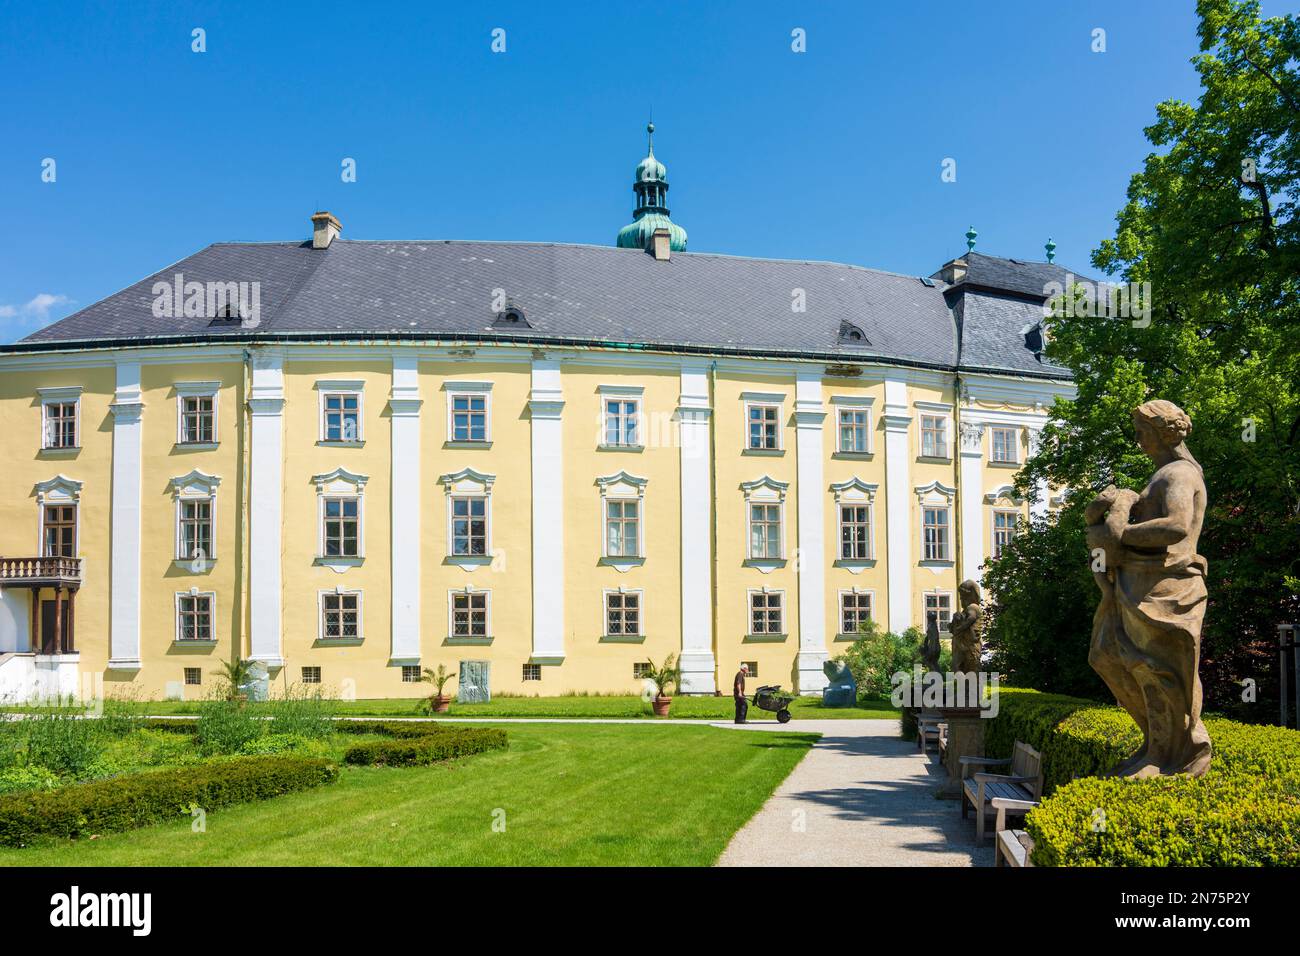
{"x": 965, "y": 739}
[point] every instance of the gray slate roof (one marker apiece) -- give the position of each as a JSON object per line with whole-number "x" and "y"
{"x": 568, "y": 293}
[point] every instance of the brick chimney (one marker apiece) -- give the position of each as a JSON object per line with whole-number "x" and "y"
{"x": 659, "y": 245}
{"x": 324, "y": 230}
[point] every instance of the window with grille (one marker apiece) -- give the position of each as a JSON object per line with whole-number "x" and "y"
{"x": 938, "y": 610}
{"x": 198, "y": 422}
{"x": 532, "y": 672}
{"x": 340, "y": 617}
{"x": 764, "y": 427}
{"x": 936, "y": 534}
{"x": 410, "y": 673}
{"x": 196, "y": 529}
{"x": 622, "y": 528}
{"x": 622, "y": 613}
{"x": 342, "y": 525}
{"x": 753, "y": 667}
{"x": 621, "y": 422}
{"x": 853, "y": 430}
{"x": 60, "y": 531}
{"x": 855, "y": 611}
{"x": 469, "y": 418}
{"x": 469, "y": 525}
{"x": 1003, "y": 444}
{"x": 934, "y": 436}
{"x": 60, "y": 424}
{"x": 764, "y": 530}
{"x": 469, "y": 614}
{"x": 194, "y": 617}
{"x": 855, "y": 532}
{"x": 641, "y": 671}
{"x": 1005, "y": 524}
{"x": 311, "y": 675}
{"x": 765, "y": 612}
{"x": 194, "y": 676}
{"x": 342, "y": 417}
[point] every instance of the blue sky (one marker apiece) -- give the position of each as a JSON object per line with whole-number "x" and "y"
{"x": 834, "y": 153}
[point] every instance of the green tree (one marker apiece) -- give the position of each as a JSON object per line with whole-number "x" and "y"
{"x": 1211, "y": 223}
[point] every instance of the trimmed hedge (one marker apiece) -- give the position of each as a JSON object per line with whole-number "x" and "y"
{"x": 138, "y": 799}
{"x": 427, "y": 748}
{"x": 404, "y": 729}
{"x": 1244, "y": 812}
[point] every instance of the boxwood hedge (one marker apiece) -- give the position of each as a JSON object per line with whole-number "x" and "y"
{"x": 139, "y": 799}
{"x": 429, "y": 747}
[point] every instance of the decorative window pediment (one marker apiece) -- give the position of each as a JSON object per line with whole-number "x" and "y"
{"x": 197, "y": 484}
{"x": 467, "y": 481}
{"x": 340, "y": 481}
{"x": 622, "y": 485}
{"x": 60, "y": 488}
{"x": 936, "y": 492}
{"x": 854, "y": 490}
{"x": 469, "y": 518}
{"x": 1006, "y": 494}
{"x": 766, "y": 488}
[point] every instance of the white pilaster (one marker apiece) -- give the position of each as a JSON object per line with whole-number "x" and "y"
{"x": 546, "y": 402}
{"x": 266, "y": 496}
{"x": 124, "y": 573}
{"x": 898, "y": 505}
{"x": 699, "y": 668}
{"x": 972, "y": 499}
{"x": 404, "y": 410}
{"x": 809, "y": 415}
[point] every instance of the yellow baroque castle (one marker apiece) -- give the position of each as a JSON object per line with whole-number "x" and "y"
{"x": 350, "y": 460}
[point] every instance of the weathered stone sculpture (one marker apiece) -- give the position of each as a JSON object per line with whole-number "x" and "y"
{"x": 930, "y": 649}
{"x": 965, "y": 627}
{"x": 1146, "y": 634}
{"x": 841, "y": 689}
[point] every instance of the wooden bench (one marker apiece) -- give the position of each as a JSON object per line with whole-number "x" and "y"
{"x": 1014, "y": 846}
{"x": 1024, "y": 783}
{"x": 931, "y": 728}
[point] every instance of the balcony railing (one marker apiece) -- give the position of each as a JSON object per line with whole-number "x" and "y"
{"x": 37, "y": 571}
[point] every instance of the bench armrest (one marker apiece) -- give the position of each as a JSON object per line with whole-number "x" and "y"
{"x": 1001, "y": 778}
{"x": 983, "y": 762}
{"x": 1006, "y": 803}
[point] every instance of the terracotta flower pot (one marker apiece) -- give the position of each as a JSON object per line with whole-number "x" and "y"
{"x": 661, "y": 705}
{"x": 440, "y": 704}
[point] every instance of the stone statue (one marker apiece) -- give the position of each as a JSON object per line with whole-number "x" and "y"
{"x": 1146, "y": 634}
{"x": 930, "y": 649}
{"x": 965, "y": 627}
{"x": 841, "y": 689}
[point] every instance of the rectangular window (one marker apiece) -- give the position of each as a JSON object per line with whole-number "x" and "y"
{"x": 469, "y": 526}
{"x": 622, "y": 613}
{"x": 1003, "y": 445}
{"x": 342, "y": 417}
{"x": 469, "y": 418}
{"x": 622, "y": 529}
{"x": 198, "y": 419}
{"x": 194, "y": 676}
{"x": 532, "y": 672}
{"x": 342, "y": 526}
{"x": 934, "y": 436}
{"x": 765, "y": 612}
{"x": 60, "y": 531}
{"x": 764, "y": 427}
{"x": 410, "y": 673}
{"x": 60, "y": 424}
{"x": 855, "y": 611}
{"x": 340, "y": 617}
{"x": 194, "y": 614}
{"x": 621, "y": 421}
{"x": 855, "y": 532}
{"x": 196, "y": 529}
{"x": 1004, "y": 529}
{"x": 641, "y": 671}
{"x": 469, "y": 614}
{"x": 753, "y": 667}
{"x": 853, "y": 430}
{"x": 938, "y": 610}
{"x": 936, "y": 534}
{"x": 311, "y": 675}
{"x": 765, "y": 531}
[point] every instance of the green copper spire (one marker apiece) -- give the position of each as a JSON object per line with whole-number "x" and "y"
{"x": 1051, "y": 249}
{"x": 650, "y": 183}
{"x": 970, "y": 239}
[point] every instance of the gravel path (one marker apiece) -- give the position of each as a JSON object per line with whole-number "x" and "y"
{"x": 861, "y": 797}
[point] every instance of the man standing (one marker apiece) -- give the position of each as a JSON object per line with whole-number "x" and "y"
{"x": 738, "y": 692}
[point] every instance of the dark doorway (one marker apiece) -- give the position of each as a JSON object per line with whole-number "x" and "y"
{"x": 49, "y": 644}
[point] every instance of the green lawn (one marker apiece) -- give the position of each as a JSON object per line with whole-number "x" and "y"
{"x": 579, "y": 795}
{"x": 704, "y": 708}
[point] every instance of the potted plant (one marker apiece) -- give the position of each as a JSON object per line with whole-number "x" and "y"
{"x": 437, "y": 703}
{"x": 664, "y": 678}
{"x": 235, "y": 674}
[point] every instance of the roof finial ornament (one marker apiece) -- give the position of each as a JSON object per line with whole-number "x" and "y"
{"x": 970, "y": 239}
{"x": 650, "y": 134}
{"x": 1051, "y": 249}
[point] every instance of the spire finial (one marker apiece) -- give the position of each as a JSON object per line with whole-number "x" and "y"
{"x": 1051, "y": 249}
{"x": 970, "y": 239}
{"x": 650, "y": 133}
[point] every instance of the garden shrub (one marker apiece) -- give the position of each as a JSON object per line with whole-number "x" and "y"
{"x": 13, "y": 779}
{"x": 427, "y": 748}
{"x": 226, "y": 727}
{"x": 392, "y": 728}
{"x": 275, "y": 744}
{"x": 876, "y": 656}
{"x": 135, "y": 800}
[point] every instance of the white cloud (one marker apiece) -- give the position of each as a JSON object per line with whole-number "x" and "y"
{"x": 18, "y": 320}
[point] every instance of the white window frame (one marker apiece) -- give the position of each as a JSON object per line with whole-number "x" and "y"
{"x": 941, "y": 411}
{"x": 196, "y": 486}
{"x": 639, "y": 594}
{"x": 468, "y": 483}
{"x": 765, "y": 400}
{"x": 870, "y": 595}
{"x": 749, "y": 613}
{"x": 622, "y": 487}
{"x": 186, "y": 390}
{"x": 530, "y": 667}
{"x": 340, "y": 483}
{"x": 939, "y": 592}
{"x": 856, "y": 404}
{"x": 320, "y": 674}
{"x": 936, "y": 495}
{"x": 622, "y": 393}
{"x": 1015, "y": 444}
{"x": 340, "y": 592}
{"x": 469, "y": 389}
{"x": 467, "y": 591}
{"x": 855, "y": 493}
{"x": 59, "y": 491}
{"x": 993, "y": 527}
{"x": 59, "y": 395}
{"x": 194, "y": 592}
{"x": 764, "y": 491}
{"x": 327, "y": 388}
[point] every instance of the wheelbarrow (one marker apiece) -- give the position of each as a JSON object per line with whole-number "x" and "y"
{"x": 773, "y": 698}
